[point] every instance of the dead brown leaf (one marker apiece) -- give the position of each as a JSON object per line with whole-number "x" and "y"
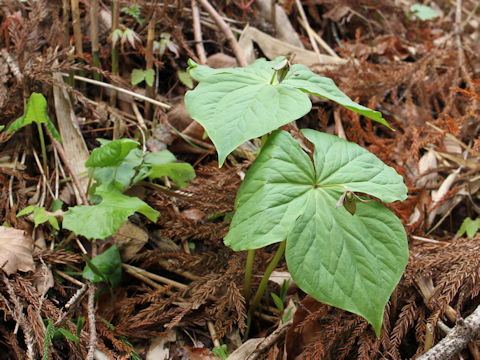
{"x": 15, "y": 250}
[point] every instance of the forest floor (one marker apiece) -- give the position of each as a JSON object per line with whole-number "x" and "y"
{"x": 177, "y": 292}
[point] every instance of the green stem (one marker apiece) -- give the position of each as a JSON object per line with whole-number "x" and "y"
{"x": 248, "y": 274}
{"x": 90, "y": 180}
{"x": 266, "y": 276}
{"x": 273, "y": 77}
{"x": 44, "y": 149}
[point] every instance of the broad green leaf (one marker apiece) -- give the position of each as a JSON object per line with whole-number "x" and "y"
{"x": 149, "y": 77}
{"x": 301, "y": 77}
{"x": 180, "y": 173}
{"x": 102, "y": 220}
{"x": 109, "y": 264}
{"x": 424, "y": 12}
{"x": 468, "y": 226}
{"x": 272, "y": 195}
{"x": 121, "y": 174}
{"x": 111, "y": 154}
{"x": 138, "y": 75}
{"x": 36, "y": 111}
{"x": 159, "y": 158}
{"x": 237, "y": 104}
{"x": 351, "y": 262}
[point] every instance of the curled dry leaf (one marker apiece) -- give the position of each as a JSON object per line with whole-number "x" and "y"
{"x": 15, "y": 251}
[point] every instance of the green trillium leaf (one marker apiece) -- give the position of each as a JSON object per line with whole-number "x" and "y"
{"x": 102, "y": 220}
{"x": 301, "y": 77}
{"x": 237, "y": 104}
{"x": 351, "y": 262}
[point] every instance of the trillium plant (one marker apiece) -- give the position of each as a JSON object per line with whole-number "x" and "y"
{"x": 342, "y": 248}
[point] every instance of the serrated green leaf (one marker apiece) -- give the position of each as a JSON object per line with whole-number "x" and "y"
{"x": 301, "y": 77}
{"x": 149, "y": 77}
{"x": 111, "y": 154}
{"x": 237, "y": 104}
{"x": 109, "y": 264}
{"x": 180, "y": 173}
{"x": 351, "y": 262}
{"x": 138, "y": 75}
{"x": 468, "y": 226}
{"x": 185, "y": 79}
{"x": 424, "y": 12}
{"x": 102, "y": 220}
{"x": 36, "y": 111}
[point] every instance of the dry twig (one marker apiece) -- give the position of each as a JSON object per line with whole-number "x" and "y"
{"x": 456, "y": 340}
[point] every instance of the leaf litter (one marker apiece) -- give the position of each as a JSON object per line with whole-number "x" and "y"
{"x": 421, "y": 74}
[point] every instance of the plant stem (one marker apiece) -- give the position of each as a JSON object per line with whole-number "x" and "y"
{"x": 44, "y": 149}
{"x": 115, "y": 49}
{"x": 266, "y": 276}
{"x": 149, "y": 90}
{"x": 94, "y": 35}
{"x": 248, "y": 274}
{"x": 77, "y": 36}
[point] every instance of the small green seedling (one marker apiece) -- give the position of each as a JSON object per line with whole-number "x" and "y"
{"x": 40, "y": 216}
{"x": 423, "y": 12}
{"x": 469, "y": 227}
{"x": 36, "y": 112}
{"x": 221, "y": 351}
{"x": 133, "y": 11}
{"x": 279, "y": 300}
{"x": 52, "y": 332}
{"x": 346, "y": 253}
{"x": 123, "y": 36}
{"x": 116, "y": 166}
{"x": 139, "y": 75}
